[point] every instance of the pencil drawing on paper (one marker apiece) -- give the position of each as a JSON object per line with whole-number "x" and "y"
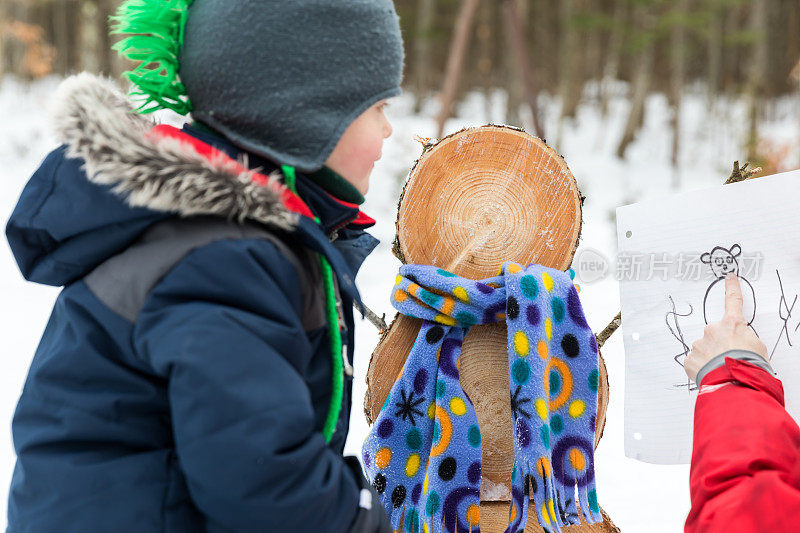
{"x": 671, "y": 319}
{"x": 722, "y": 261}
{"x": 785, "y": 314}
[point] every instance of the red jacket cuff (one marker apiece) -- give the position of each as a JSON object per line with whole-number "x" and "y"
{"x": 746, "y": 375}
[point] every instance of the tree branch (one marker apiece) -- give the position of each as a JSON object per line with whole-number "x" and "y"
{"x": 377, "y": 321}
{"x": 609, "y": 330}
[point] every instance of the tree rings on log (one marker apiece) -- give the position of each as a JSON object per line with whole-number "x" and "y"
{"x": 487, "y": 195}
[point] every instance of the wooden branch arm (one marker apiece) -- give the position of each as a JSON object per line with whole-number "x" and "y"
{"x": 376, "y": 320}
{"x": 612, "y": 326}
{"x": 741, "y": 174}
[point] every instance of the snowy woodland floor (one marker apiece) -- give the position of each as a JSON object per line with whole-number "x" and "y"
{"x": 639, "y": 497}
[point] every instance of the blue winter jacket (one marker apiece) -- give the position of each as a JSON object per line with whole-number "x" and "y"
{"x": 184, "y": 376}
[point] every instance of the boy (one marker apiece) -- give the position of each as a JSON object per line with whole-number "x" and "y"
{"x": 196, "y": 370}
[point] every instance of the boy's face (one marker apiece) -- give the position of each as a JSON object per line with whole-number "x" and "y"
{"x": 360, "y": 146}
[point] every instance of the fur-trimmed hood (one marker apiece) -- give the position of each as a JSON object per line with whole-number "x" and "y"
{"x": 98, "y": 125}
{"x": 112, "y": 177}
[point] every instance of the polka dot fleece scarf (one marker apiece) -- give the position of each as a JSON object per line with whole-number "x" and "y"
{"x": 423, "y": 454}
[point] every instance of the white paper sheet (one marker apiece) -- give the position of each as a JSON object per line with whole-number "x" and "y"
{"x": 669, "y": 291}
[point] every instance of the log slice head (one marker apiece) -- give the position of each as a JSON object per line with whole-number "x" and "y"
{"x": 487, "y": 195}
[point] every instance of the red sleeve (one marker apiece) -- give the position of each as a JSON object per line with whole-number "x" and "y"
{"x": 745, "y": 474}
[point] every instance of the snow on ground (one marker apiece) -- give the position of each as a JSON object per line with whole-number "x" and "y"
{"x": 639, "y": 497}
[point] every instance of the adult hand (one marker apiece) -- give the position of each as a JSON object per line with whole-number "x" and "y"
{"x": 730, "y": 333}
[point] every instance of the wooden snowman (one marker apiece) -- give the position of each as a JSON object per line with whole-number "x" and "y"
{"x": 474, "y": 200}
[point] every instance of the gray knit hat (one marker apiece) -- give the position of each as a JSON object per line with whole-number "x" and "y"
{"x": 285, "y": 78}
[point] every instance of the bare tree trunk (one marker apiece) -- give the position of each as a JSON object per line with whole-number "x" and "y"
{"x": 796, "y": 77}
{"x": 455, "y": 61}
{"x": 422, "y": 49}
{"x": 569, "y": 60}
{"x": 76, "y": 28}
{"x": 756, "y": 72}
{"x": 485, "y": 24}
{"x": 523, "y": 12}
{"x": 3, "y": 22}
{"x": 594, "y": 52}
{"x": 513, "y": 91}
{"x": 774, "y": 66}
{"x": 716, "y": 27}
{"x": 89, "y": 43}
{"x": 611, "y": 69}
{"x": 793, "y": 41}
{"x": 110, "y": 64}
{"x": 522, "y": 61}
{"x": 678, "y": 67}
{"x": 641, "y": 79}
{"x": 511, "y": 78}
{"x": 15, "y": 50}
{"x": 513, "y": 87}
{"x": 731, "y": 60}
{"x": 60, "y": 11}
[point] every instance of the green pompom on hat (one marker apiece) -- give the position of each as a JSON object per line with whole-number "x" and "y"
{"x": 155, "y": 37}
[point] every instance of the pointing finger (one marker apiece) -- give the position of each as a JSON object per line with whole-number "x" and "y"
{"x": 733, "y": 296}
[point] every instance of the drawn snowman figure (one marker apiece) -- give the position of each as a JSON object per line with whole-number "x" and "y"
{"x": 723, "y": 260}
